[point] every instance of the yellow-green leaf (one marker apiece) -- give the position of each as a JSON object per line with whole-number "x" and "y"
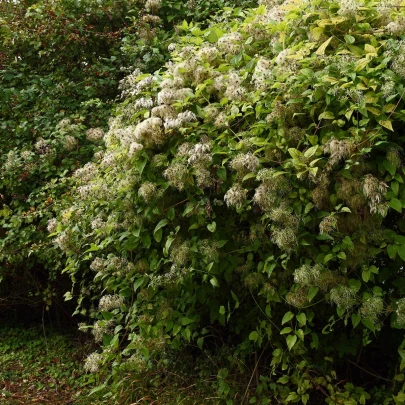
{"x": 386, "y": 124}
{"x": 321, "y": 50}
{"x": 388, "y": 107}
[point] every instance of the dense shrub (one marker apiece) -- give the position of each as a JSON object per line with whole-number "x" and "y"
{"x": 60, "y": 65}
{"x": 250, "y": 198}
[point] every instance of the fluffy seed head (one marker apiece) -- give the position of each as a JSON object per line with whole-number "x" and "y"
{"x": 235, "y": 196}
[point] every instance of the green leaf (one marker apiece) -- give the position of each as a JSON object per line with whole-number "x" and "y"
{"x": 93, "y": 248}
{"x": 399, "y": 239}
{"x": 368, "y": 324}
{"x": 300, "y": 334}
{"x": 390, "y": 167}
{"x": 312, "y": 292}
{"x": 186, "y": 334}
{"x": 253, "y": 336}
{"x": 395, "y": 187}
{"x": 287, "y": 317}
{"x": 327, "y": 257}
{"x": 350, "y": 39}
{"x": 291, "y": 340}
{"x": 212, "y": 227}
{"x": 158, "y": 235}
{"x": 222, "y": 310}
{"x": 327, "y": 115}
{"x": 356, "y": 318}
{"x": 221, "y": 173}
{"x": 395, "y": 204}
{"x": 138, "y": 283}
{"x": 214, "y": 34}
{"x": 401, "y": 251}
{"x": 365, "y": 275}
{"x": 302, "y": 318}
{"x": 311, "y": 151}
{"x": 160, "y": 225}
{"x": 186, "y": 321}
{"x": 283, "y": 380}
{"x": 341, "y": 255}
{"x": 321, "y": 50}
{"x": 145, "y": 238}
{"x": 249, "y": 176}
{"x": 386, "y": 124}
{"x": 97, "y": 389}
{"x": 286, "y": 330}
{"x": 214, "y": 282}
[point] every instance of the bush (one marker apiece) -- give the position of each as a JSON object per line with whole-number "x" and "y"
{"x": 251, "y": 194}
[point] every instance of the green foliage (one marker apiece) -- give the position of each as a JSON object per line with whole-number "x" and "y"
{"x": 42, "y": 369}
{"x": 60, "y": 69}
{"x": 250, "y": 194}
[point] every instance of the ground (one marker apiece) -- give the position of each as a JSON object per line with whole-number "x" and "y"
{"x": 42, "y": 366}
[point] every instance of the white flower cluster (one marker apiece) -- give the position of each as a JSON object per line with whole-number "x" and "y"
{"x": 272, "y": 189}
{"x": 180, "y": 120}
{"x": 153, "y": 4}
{"x": 231, "y": 43}
{"x": 388, "y": 89}
{"x": 109, "y": 159}
{"x": 92, "y": 363}
{"x": 98, "y": 264}
{"x": 12, "y": 161}
{"x": 94, "y": 134}
{"x": 338, "y": 150}
{"x": 110, "y": 302}
{"x": 171, "y": 95}
{"x": 199, "y": 153}
{"x": 180, "y": 255}
{"x": 384, "y": 9}
{"x": 63, "y": 240}
{"x": 102, "y": 328}
{"x": 150, "y": 132}
{"x": 148, "y": 191}
{"x": 98, "y": 223}
{"x": 400, "y": 312}
{"x": 135, "y": 84}
{"x": 64, "y": 123}
{"x": 26, "y": 154}
{"x": 164, "y": 111}
{"x": 86, "y": 173}
{"x": 307, "y": 275}
{"x": 328, "y": 225}
{"x": 143, "y": 103}
{"x": 200, "y": 158}
{"x": 235, "y": 196}
{"x": 262, "y": 73}
{"x": 234, "y": 90}
{"x": 52, "y": 225}
{"x": 244, "y": 163}
{"x": 42, "y": 147}
{"x": 398, "y": 57}
{"x": 372, "y": 308}
{"x": 276, "y": 9}
{"x": 94, "y": 191}
{"x": 375, "y": 191}
{"x": 176, "y": 174}
{"x": 71, "y": 143}
{"x": 348, "y": 8}
{"x": 113, "y": 264}
{"x": 397, "y": 27}
{"x": 343, "y": 297}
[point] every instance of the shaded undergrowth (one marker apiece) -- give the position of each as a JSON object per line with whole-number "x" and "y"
{"x": 42, "y": 368}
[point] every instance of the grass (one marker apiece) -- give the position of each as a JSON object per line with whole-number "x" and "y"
{"x": 44, "y": 370}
